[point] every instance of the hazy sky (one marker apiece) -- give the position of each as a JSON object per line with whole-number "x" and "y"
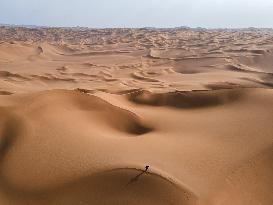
{"x": 138, "y": 13}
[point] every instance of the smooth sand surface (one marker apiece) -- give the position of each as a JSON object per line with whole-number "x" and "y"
{"x": 83, "y": 111}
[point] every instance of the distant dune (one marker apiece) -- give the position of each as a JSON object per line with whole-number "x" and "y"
{"x": 84, "y": 111}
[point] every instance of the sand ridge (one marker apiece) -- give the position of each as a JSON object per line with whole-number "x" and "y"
{"x": 117, "y": 60}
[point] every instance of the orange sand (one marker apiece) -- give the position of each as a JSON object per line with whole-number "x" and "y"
{"x": 83, "y": 111}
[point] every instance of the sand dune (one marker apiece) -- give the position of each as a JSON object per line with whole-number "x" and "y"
{"x": 81, "y": 117}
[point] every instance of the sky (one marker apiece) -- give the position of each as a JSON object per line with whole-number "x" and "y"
{"x": 139, "y": 13}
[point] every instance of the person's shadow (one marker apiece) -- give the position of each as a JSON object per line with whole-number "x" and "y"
{"x": 136, "y": 178}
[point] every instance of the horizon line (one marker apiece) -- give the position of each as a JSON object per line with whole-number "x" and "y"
{"x": 126, "y": 27}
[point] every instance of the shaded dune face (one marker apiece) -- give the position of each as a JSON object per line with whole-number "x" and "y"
{"x": 5, "y": 93}
{"x": 195, "y": 99}
{"x": 92, "y": 107}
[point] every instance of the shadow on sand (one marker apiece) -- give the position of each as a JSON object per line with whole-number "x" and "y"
{"x": 136, "y": 178}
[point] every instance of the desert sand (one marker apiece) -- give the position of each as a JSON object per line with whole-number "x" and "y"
{"x": 83, "y": 111}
